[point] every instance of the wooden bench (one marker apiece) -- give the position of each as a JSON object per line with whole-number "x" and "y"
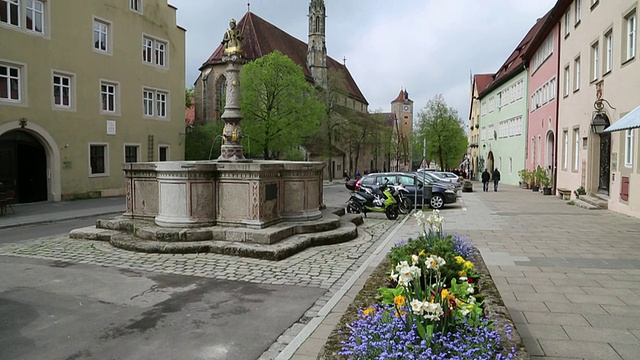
{"x": 565, "y": 194}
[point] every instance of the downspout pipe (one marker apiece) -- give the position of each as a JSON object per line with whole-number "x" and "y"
{"x": 558, "y": 95}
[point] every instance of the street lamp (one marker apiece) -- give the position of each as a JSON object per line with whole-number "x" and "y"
{"x": 600, "y": 120}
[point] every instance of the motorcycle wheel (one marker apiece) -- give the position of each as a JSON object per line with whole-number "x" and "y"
{"x": 353, "y": 208}
{"x": 391, "y": 212}
{"x": 404, "y": 206}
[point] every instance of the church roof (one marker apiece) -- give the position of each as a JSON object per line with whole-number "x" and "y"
{"x": 261, "y": 38}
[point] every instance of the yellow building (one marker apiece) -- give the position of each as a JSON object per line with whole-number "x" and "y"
{"x": 84, "y": 89}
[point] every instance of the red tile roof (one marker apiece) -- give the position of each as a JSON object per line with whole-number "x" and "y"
{"x": 482, "y": 81}
{"x": 514, "y": 63}
{"x": 262, "y": 38}
{"x": 404, "y": 95}
{"x": 189, "y": 115}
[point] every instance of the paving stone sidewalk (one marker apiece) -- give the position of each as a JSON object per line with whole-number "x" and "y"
{"x": 570, "y": 277}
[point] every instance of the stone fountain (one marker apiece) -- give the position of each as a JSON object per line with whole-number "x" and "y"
{"x": 232, "y": 205}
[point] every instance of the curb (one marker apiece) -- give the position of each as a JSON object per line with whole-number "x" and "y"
{"x": 49, "y": 221}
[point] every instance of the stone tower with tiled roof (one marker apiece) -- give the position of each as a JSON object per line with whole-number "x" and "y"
{"x": 316, "y": 47}
{"x": 402, "y": 107}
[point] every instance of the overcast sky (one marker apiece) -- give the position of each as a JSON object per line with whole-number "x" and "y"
{"x": 426, "y": 46}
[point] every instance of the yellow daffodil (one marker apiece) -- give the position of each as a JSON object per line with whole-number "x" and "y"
{"x": 459, "y": 259}
{"x": 368, "y": 311}
{"x": 468, "y": 265}
{"x": 399, "y": 300}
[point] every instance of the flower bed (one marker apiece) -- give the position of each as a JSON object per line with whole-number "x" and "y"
{"x": 438, "y": 302}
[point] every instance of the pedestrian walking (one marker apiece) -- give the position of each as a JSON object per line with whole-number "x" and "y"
{"x": 496, "y": 179}
{"x": 485, "y": 180}
{"x": 358, "y": 174}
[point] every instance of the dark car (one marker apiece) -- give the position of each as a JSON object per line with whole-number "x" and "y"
{"x": 437, "y": 194}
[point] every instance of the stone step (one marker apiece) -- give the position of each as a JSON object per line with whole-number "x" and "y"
{"x": 594, "y": 201}
{"x": 584, "y": 204}
{"x": 278, "y": 251}
{"x": 92, "y": 233}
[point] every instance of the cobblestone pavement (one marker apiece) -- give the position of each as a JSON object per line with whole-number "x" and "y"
{"x": 325, "y": 267}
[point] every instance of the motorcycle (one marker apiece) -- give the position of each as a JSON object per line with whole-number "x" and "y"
{"x": 401, "y": 195}
{"x": 367, "y": 200}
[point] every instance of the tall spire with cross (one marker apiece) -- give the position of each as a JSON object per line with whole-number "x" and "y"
{"x": 316, "y": 47}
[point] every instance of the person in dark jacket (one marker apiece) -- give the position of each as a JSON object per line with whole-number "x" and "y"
{"x": 496, "y": 178}
{"x": 485, "y": 180}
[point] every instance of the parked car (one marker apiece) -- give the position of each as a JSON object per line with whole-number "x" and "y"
{"x": 449, "y": 177}
{"x": 437, "y": 193}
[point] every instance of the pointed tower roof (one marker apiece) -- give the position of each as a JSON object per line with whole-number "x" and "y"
{"x": 262, "y": 38}
{"x": 402, "y": 96}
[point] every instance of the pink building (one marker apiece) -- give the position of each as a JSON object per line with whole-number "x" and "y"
{"x": 542, "y": 61}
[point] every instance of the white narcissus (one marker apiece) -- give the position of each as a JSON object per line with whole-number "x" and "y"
{"x": 417, "y": 306}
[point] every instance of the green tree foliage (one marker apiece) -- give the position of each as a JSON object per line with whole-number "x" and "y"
{"x": 189, "y": 93}
{"x": 202, "y": 142}
{"x": 278, "y": 105}
{"x": 443, "y": 128}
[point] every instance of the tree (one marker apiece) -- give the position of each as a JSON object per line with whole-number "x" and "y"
{"x": 443, "y": 128}
{"x": 202, "y": 143}
{"x": 189, "y": 93}
{"x": 278, "y": 104}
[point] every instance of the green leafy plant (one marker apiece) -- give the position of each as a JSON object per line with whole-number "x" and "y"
{"x": 580, "y": 191}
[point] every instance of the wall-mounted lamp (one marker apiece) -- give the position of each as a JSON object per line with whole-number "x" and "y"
{"x": 484, "y": 146}
{"x": 23, "y": 122}
{"x": 600, "y": 120}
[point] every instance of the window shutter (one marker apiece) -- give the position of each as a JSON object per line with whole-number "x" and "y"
{"x": 624, "y": 192}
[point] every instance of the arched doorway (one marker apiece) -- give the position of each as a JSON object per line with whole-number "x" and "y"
{"x": 490, "y": 162}
{"x": 550, "y": 155}
{"x": 24, "y": 166}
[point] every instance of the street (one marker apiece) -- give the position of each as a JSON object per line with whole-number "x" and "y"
{"x": 78, "y": 299}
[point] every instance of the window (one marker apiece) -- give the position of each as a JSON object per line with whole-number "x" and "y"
{"x": 628, "y": 148}
{"x": 576, "y": 148}
{"x": 163, "y": 153}
{"x": 595, "y": 61}
{"x": 62, "y": 90}
{"x": 131, "y": 153}
{"x": 98, "y": 159}
{"x": 539, "y": 153}
{"x": 608, "y": 56}
{"x": 578, "y": 11}
{"x": 565, "y": 149}
{"x": 100, "y": 35}
{"x": 161, "y": 104}
{"x": 532, "y": 149}
{"x": 10, "y": 12}
{"x": 567, "y": 23}
{"x": 154, "y": 51}
{"x": 630, "y": 39}
{"x": 155, "y": 103}
{"x": 136, "y": 5}
{"x": 10, "y": 83}
{"x": 576, "y": 74}
{"x": 108, "y": 96}
{"x": 147, "y": 102}
{"x": 35, "y": 16}
{"x": 567, "y": 81}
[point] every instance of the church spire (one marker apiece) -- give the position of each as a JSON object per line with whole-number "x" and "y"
{"x": 316, "y": 47}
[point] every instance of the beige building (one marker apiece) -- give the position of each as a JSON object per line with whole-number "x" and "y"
{"x": 84, "y": 89}
{"x": 479, "y": 84}
{"x": 599, "y": 60}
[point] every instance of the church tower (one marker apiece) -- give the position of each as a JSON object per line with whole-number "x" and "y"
{"x": 316, "y": 47}
{"x": 402, "y": 107}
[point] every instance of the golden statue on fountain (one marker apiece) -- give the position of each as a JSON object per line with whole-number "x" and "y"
{"x": 232, "y": 40}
